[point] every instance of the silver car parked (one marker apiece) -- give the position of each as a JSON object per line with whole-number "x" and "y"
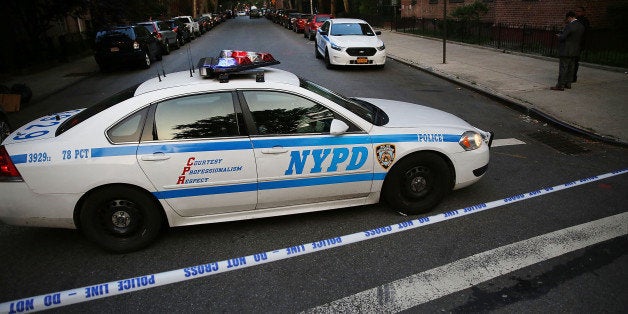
{"x": 164, "y": 34}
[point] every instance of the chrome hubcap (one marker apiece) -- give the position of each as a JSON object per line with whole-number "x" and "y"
{"x": 121, "y": 219}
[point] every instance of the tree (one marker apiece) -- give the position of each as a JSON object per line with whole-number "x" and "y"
{"x": 470, "y": 12}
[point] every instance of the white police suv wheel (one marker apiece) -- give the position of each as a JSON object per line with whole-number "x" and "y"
{"x": 417, "y": 183}
{"x": 121, "y": 219}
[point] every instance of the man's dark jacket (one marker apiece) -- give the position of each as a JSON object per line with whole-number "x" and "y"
{"x": 569, "y": 39}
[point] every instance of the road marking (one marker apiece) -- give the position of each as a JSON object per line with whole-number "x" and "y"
{"x": 438, "y": 282}
{"x": 506, "y": 142}
{"x": 108, "y": 289}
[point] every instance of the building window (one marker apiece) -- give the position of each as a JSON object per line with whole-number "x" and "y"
{"x": 456, "y": 1}
{"x": 433, "y": 2}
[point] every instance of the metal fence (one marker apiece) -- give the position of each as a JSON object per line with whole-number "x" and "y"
{"x": 602, "y": 46}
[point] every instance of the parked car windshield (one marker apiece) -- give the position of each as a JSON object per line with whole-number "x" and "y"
{"x": 341, "y": 29}
{"x": 363, "y": 109}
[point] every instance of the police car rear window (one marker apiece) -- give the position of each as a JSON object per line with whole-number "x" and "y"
{"x": 93, "y": 110}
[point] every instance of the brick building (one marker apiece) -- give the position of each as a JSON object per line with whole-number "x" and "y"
{"x": 535, "y": 13}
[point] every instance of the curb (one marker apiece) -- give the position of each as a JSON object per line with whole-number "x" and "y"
{"x": 515, "y": 104}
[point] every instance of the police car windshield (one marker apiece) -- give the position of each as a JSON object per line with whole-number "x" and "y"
{"x": 363, "y": 109}
{"x": 93, "y": 110}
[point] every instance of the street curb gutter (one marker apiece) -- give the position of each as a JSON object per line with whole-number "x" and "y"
{"x": 513, "y": 103}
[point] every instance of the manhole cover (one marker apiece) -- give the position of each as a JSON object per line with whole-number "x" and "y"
{"x": 558, "y": 142}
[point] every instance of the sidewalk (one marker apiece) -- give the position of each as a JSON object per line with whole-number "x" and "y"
{"x": 597, "y": 105}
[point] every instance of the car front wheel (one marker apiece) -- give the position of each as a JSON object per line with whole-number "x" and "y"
{"x": 417, "y": 183}
{"x": 121, "y": 219}
{"x": 316, "y": 53}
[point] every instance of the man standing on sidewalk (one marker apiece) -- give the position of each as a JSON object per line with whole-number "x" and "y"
{"x": 568, "y": 49}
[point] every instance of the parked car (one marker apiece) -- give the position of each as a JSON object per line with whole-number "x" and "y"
{"x": 5, "y": 126}
{"x": 126, "y": 45}
{"x": 255, "y": 13}
{"x": 206, "y": 22}
{"x": 313, "y": 23}
{"x": 183, "y": 33}
{"x": 349, "y": 42}
{"x": 184, "y": 150}
{"x": 289, "y": 19}
{"x": 164, "y": 34}
{"x": 298, "y": 24}
{"x": 192, "y": 25}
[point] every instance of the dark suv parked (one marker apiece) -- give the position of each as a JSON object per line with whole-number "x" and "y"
{"x": 126, "y": 45}
{"x": 183, "y": 33}
{"x": 164, "y": 34}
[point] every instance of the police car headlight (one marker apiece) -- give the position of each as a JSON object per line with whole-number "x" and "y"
{"x": 336, "y": 47}
{"x": 470, "y": 140}
{"x": 381, "y": 48}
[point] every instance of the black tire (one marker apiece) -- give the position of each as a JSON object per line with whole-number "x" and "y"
{"x": 121, "y": 219}
{"x": 177, "y": 44}
{"x": 316, "y": 53}
{"x": 166, "y": 47}
{"x": 327, "y": 61}
{"x": 417, "y": 183}
{"x": 104, "y": 67}
{"x": 146, "y": 63}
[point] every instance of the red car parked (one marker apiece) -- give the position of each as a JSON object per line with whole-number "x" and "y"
{"x": 298, "y": 25}
{"x": 314, "y": 23}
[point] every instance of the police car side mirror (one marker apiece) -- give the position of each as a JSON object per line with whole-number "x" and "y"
{"x": 338, "y": 127}
{"x": 323, "y": 33}
{"x": 379, "y": 33}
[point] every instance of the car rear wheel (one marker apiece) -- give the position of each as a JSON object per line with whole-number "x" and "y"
{"x": 166, "y": 49}
{"x": 121, "y": 219}
{"x": 146, "y": 61}
{"x": 417, "y": 183}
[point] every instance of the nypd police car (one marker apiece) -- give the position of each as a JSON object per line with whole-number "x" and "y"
{"x": 235, "y": 140}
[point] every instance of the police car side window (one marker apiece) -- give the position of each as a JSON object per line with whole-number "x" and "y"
{"x": 282, "y": 113}
{"x": 129, "y": 129}
{"x": 195, "y": 117}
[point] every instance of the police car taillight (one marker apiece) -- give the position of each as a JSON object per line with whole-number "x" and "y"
{"x": 8, "y": 172}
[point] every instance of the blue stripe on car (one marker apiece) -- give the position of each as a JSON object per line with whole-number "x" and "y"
{"x": 269, "y": 185}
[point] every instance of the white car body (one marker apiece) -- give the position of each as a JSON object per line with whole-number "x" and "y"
{"x": 192, "y": 25}
{"x": 347, "y": 42}
{"x": 224, "y": 178}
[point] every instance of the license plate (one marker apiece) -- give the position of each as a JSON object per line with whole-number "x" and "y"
{"x": 362, "y": 60}
{"x": 115, "y": 49}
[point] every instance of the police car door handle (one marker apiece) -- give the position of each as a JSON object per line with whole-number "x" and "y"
{"x": 274, "y": 150}
{"x": 155, "y": 157}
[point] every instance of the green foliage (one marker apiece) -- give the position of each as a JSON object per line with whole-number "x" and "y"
{"x": 367, "y": 7}
{"x": 470, "y": 12}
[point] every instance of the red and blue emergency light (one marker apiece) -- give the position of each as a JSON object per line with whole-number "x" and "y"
{"x": 230, "y": 61}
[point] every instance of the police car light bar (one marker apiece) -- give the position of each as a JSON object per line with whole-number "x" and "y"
{"x": 233, "y": 61}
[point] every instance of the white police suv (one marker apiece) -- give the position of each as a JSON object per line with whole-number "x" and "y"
{"x": 225, "y": 145}
{"x": 349, "y": 42}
